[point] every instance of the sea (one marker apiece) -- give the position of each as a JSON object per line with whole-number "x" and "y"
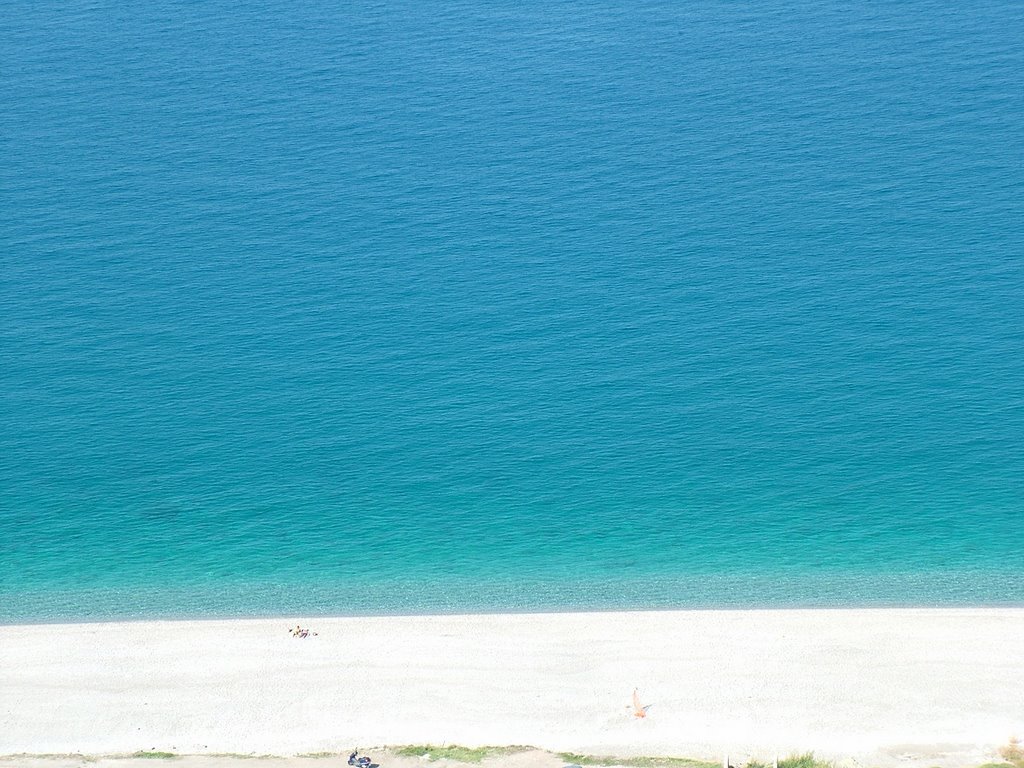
{"x": 388, "y": 307}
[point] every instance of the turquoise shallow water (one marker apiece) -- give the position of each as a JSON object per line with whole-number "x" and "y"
{"x": 405, "y": 307}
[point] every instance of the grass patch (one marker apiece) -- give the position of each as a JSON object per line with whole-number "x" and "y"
{"x": 635, "y": 762}
{"x": 155, "y": 755}
{"x": 805, "y": 760}
{"x": 319, "y": 755}
{"x": 456, "y": 752}
{"x": 240, "y": 756}
{"x": 796, "y": 761}
{"x": 52, "y": 756}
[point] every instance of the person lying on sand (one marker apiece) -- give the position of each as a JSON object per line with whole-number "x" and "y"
{"x": 300, "y": 632}
{"x": 638, "y": 709}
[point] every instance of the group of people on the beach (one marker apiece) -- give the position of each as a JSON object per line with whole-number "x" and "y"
{"x": 300, "y": 631}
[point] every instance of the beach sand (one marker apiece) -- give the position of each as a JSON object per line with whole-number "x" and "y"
{"x": 929, "y": 687}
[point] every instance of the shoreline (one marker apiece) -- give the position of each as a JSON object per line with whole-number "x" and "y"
{"x": 732, "y": 591}
{"x": 882, "y": 686}
{"x": 561, "y": 611}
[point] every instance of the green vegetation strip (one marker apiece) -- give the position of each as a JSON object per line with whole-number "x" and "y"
{"x": 796, "y": 761}
{"x": 805, "y": 760}
{"x": 635, "y": 762}
{"x": 457, "y": 753}
{"x": 51, "y": 756}
{"x": 250, "y": 756}
{"x": 1013, "y": 754}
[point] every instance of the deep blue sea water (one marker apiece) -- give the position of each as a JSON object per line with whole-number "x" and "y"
{"x": 386, "y": 307}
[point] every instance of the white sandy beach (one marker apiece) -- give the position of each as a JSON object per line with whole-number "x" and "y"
{"x": 941, "y": 687}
